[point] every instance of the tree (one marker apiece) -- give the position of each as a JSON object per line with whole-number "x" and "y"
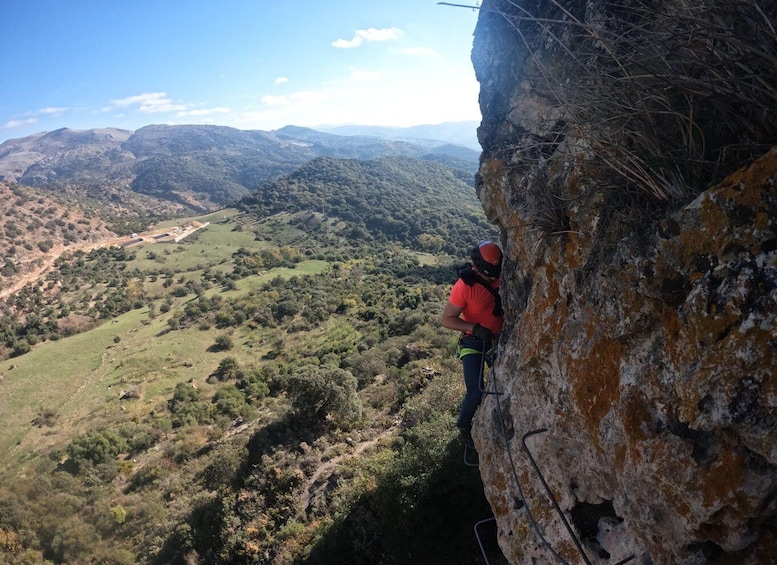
{"x": 118, "y": 514}
{"x": 187, "y": 408}
{"x": 96, "y": 446}
{"x": 254, "y": 385}
{"x": 430, "y": 242}
{"x": 287, "y": 307}
{"x": 74, "y": 540}
{"x": 228, "y": 369}
{"x": 183, "y": 394}
{"x": 231, "y": 401}
{"x": 223, "y": 343}
{"x": 325, "y": 394}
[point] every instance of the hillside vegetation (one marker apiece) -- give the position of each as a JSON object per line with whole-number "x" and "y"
{"x": 36, "y": 223}
{"x": 159, "y": 171}
{"x": 422, "y": 204}
{"x": 273, "y": 389}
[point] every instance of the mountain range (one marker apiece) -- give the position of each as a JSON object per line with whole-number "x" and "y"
{"x": 455, "y": 133}
{"x": 198, "y": 168}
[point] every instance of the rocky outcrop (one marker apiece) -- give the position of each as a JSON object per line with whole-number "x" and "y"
{"x": 641, "y": 334}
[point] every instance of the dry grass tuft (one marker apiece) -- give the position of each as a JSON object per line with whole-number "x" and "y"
{"x": 666, "y": 96}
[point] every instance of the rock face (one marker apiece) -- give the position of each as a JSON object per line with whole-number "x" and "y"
{"x": 640, "y": 340}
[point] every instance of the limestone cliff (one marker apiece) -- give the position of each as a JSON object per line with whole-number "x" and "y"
{"x": 640, "y": 286}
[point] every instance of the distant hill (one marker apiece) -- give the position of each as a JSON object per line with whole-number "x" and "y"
{"x": 36, "y": 227}
{"x": 455, "y": 133}
{"x": 415, "y": 202}
{"x": 190, "y": 168}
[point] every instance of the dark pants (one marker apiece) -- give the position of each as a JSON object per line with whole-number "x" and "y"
{"x": 471, "y": 354}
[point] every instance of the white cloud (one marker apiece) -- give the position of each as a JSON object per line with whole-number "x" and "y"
{"x": 53, "y": 111}
{"x": 363, "y": 76}
{"x": 281, "y": 80}
{"x": 358, "y": 75}
{"x": 370, "y": 34}
{"x": 420, "y": 52}
{"x": 150, "y": 103}
{"x": 361, "y": 99}
{"x": 33, "y": 119}
{"x": 295, "y": 100}
{"x": 345, "y": 44}
{"x": 276, "y": 100}
{"x": 13, "y": 124}
{"x": 385, "y": 34}
{"x": 204, "y": 112}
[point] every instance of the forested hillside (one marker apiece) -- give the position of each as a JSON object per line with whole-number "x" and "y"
{"x": 418, "y": 203}
{"x": 35, "y": 224}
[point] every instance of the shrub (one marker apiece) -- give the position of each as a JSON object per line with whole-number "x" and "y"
{"x": 96, "y": 447}
{"x": 118, "y": 514}
{"x": 367, "y": 365}
{"x": 149, "y": 475}
{"x": 223, "y": 343}
{"x": 46, "y": 417}
{"x": 254, "y": 386}
{"x": 230, "y": 401}
{"x": 228, "y": 369}
{"x": 73, "y": 540}
{"x": 183, "y": 393}
{"x": 20, "y": 349}
{"x": 223, "y": 466}
{"x": 325, "y": 393}
{"x": 187, "y": 408}
{"x": 286, "y": 308}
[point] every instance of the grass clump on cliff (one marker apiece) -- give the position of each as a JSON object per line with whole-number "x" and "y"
{"x": 660, "y": 97}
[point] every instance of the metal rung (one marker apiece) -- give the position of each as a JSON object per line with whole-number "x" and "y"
{"x": 484, "y": 391}
{"x": 480, "y": 543}
{"x": 467, "y": 462}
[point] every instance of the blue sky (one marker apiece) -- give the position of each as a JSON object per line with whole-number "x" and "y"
{"x": 247, "y": 64}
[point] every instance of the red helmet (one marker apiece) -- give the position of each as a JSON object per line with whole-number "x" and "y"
{"x": 487, "y": 258}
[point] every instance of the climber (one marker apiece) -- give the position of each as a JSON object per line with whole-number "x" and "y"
{"x": 475, "y": 309}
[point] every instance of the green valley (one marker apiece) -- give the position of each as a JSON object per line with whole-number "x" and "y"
{"x": 273, "y": 388}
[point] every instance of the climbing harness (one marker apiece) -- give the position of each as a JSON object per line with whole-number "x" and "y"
{"x": 488, "y": 358}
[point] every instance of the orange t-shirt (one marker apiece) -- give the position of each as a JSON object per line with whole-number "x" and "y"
{"x": 477, "y": 304}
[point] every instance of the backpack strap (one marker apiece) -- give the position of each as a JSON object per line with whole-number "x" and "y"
{"x": 470, "y": 278}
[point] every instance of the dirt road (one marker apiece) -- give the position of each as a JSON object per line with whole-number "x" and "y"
{"x": 46, "y": 262}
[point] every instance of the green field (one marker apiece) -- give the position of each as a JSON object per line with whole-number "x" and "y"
{"x": 80, "y": 378}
